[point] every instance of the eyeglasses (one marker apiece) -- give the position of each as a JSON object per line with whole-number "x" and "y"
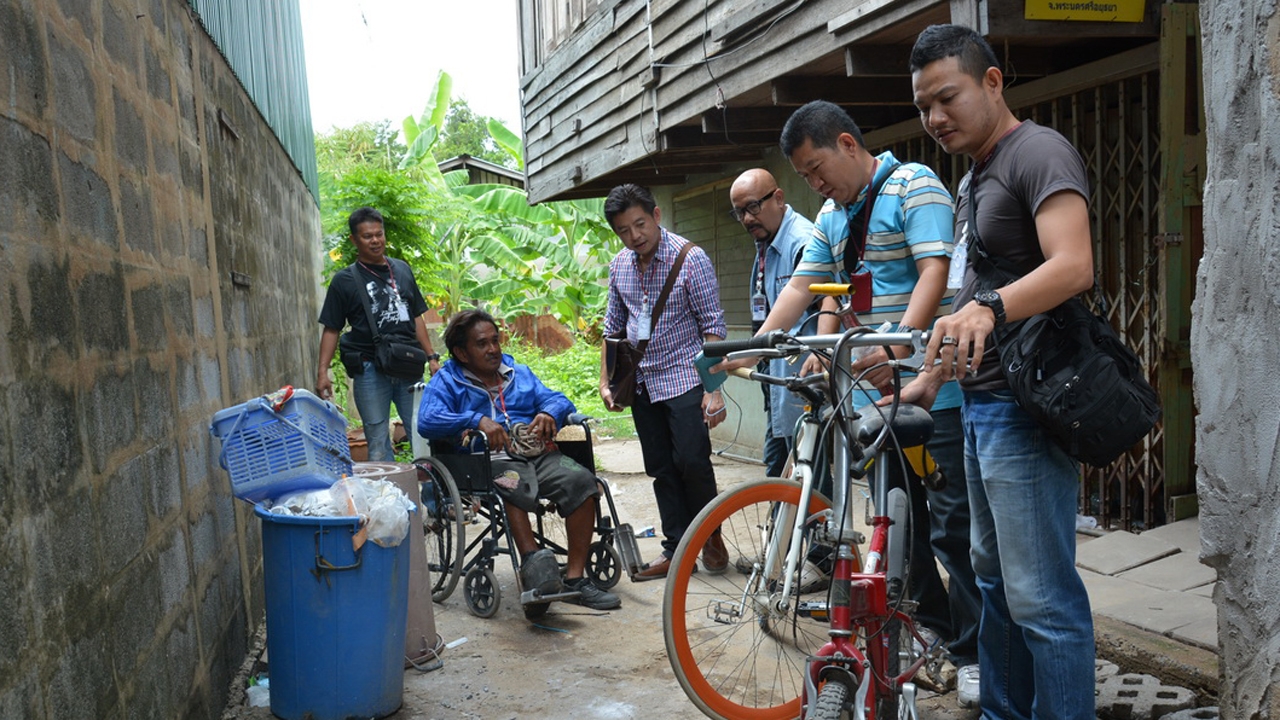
{"x": 752, "y": 207}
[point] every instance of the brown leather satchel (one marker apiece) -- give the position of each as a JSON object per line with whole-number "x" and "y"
{"x": 621, "y": 358}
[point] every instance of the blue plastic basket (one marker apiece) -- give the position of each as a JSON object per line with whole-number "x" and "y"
{"x": 270, "y": 453}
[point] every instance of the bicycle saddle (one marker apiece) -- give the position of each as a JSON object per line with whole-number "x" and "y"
{"x": 912, "y": 426}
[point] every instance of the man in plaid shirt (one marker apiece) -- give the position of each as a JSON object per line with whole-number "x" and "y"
{"x": 671, "y": 411}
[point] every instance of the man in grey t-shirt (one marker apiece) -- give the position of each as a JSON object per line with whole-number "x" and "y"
{"x": 1025, "y": 202}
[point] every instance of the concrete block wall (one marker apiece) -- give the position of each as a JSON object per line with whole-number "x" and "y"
{"x": 136, "y": 178}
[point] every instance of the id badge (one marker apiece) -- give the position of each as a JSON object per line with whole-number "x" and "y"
{"x": 402, "y": 310}
{"x": 959, "y": 260}
{"x": 759, "y": 308}
{"x": 860, "y": 291}
{"x": 644, "y": 321}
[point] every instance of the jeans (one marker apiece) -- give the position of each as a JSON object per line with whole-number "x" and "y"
{"x": 374, "y": 393}
{"x": 776, "y": 449}
{"x": 676, "y": 447}
{"x": 1035, "y": 642}
{"x": 949, "y": 536}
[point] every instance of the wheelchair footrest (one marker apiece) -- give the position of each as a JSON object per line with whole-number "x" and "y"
{"x": 625, "y": 539}
{"x": 533, "y": 596}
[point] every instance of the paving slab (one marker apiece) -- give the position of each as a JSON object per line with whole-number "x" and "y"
{"x": 1183, "y": 533}
{"x": 1119, "y": 551}
{"x": 1203, "y": 590}
{"x": 1181, "y": 571}
{"x": 1106, "y": 591}
{"x": 1202, "y": 631}
{"x": 1159, "y": 611}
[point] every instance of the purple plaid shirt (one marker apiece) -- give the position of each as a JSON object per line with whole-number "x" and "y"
{"x": 692, "y": 311}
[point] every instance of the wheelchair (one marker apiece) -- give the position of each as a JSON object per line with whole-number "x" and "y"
{"x": 458, "y": 493}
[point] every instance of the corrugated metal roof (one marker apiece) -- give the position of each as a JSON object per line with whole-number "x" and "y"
{"x": 262, "y": 42}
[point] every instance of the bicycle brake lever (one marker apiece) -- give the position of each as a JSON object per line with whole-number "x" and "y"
{"x": 915, "y": 361}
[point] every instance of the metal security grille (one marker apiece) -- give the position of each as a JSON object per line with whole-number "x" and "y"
{"x": 1115, "y": 126}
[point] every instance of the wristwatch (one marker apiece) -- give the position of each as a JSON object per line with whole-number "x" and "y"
{"x": 991, "y": 299}
{"x": 433, "y": 357}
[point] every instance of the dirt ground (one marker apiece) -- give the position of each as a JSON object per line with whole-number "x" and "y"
{"x": 574, "y": 662}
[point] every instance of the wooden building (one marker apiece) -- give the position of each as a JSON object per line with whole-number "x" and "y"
{"x": 682, "y": 95}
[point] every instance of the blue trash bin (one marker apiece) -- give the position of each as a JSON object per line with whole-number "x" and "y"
{"x": 335, "y": 619}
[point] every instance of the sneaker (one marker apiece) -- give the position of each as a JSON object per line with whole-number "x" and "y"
{"x": 812, "y": 578}
{"x": 541, "y": 572}
{"x": 592, "y": 596}
{"x": 967, "y": 686}
{"x": 931, "y": 640}
{"x": 744, "y": 565}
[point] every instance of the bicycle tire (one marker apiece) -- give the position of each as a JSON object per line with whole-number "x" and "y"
{"x": 830, "y": 704}
{"x": 443, "y": 528}
{"x": 743, "y": 669}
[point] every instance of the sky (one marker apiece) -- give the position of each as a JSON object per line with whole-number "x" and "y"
{"x": 370, "y": 60}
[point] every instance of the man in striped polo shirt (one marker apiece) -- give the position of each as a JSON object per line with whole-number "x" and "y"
{"x": 893, "y": 221}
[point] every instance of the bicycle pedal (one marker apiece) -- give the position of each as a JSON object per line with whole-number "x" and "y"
{"x": 815, "y": 609}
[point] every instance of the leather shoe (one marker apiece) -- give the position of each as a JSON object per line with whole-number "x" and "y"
{"x": 655, "y": 570}
{"x": 715, "y": 558}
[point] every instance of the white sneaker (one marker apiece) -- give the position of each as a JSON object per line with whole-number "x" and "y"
{"x": 967, "y": 686}
{"x": 931, "y": 640}
{"x": 812, "y": 579}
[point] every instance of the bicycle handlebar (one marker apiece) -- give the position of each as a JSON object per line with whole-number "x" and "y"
{"x": 780, "y": 344}
{"x": 721, "y": 348}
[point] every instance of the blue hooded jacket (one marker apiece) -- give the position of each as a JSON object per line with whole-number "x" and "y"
{"x": 453, "y": 403}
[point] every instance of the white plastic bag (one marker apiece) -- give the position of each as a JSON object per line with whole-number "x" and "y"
{"x": 382, "y": 507}
{"x": 389, "y": 510}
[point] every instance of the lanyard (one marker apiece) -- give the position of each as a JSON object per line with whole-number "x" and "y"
{"x": 763, "y": 248}
{"x": 391, "y": 273}
{"x": 502, "y": 402}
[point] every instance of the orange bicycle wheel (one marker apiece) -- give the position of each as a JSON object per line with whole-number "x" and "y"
{"x": 738, "y": 647}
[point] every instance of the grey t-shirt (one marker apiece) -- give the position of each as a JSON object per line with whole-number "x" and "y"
{"x": 1028, "y": 165}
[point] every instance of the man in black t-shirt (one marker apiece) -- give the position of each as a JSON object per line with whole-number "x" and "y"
{"x": 1024, "y": 202}
{"x": 398, "y": 308}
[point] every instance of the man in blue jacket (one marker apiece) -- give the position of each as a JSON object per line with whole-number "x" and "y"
{"x": 481, "y": 391}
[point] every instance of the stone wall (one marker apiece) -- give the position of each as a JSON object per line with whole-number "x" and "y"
{"x": 1233, "y": 343}
{"x": 136, "y": 180}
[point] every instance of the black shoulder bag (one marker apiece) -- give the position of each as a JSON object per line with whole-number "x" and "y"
{"x": 405, "y": 361}
{"x": 1069, "y": 370}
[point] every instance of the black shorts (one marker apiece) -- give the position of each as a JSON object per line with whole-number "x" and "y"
{"x": 551, "y": 476}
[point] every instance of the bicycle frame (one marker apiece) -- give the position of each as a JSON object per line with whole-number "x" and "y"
{"x": 860, "y": 597}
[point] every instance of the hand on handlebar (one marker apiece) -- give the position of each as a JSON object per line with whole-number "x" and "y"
{"x": 921, "y": 391}
{"x": 881, "y": 377}
{"x": 815, "y": 364}
{"x": 731, "y": 365}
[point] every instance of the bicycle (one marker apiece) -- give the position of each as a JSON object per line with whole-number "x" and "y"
{"x": 749, "y": 645}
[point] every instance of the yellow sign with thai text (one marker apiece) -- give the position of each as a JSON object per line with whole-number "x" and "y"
{"x": 1092, "y": 10}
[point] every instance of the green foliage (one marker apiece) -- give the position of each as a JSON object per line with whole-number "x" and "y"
{"x": 469, "y": 245}
{"x": 404, "y": 205}
{"x": 466, "y": 133}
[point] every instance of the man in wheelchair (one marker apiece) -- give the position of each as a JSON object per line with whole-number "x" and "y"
{"x": 483, "y": 396}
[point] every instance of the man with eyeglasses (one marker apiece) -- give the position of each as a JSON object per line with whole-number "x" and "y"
{"x": 780, "y": 234}
{"x": 892, "y": 221}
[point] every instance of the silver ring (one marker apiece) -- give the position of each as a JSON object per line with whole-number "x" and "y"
{"x": 948, "y": 340}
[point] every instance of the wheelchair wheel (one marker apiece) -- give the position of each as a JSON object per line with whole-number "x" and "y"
{"x": 480, "y": 590}
{"x": 604, "y": 564}
{"x": 442, "y": 527}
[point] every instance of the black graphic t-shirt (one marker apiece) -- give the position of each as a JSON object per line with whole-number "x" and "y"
{"x": 395, "y": 303}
